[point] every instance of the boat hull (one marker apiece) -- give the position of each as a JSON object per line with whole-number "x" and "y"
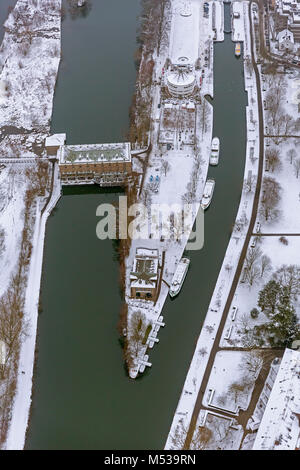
{"x": 208, "y": 194}
{"x": 174, "y": 290}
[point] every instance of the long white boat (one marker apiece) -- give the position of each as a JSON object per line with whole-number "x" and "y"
{"x": 215, "y": 151}
{"x": 207, "y": 193}
{"x": 179, "y": 277}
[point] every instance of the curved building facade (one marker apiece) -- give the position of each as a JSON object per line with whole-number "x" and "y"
{"x": 181, "y": 83}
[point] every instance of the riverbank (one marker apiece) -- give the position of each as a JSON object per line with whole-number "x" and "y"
{"x": 30, "y": 57}
{"x": 22, "y": 402}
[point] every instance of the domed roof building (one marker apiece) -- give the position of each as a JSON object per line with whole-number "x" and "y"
{"x": 184, "y": 44}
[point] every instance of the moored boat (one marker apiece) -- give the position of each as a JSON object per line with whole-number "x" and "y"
{"x": 215, "y": 150}
{"x": 207, "y": 193}
{"x": 179, "y": 277}
{"x": 238, "y": 49}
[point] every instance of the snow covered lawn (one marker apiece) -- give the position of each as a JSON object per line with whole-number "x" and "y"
{"x": 29, "y": 60}
{"x": 245, "y": 298}
{"x": 230, "y": 385}
{"x": 226, "y": 433}
{"x": 13, "y": 187}
{"x": 288, "y": 220}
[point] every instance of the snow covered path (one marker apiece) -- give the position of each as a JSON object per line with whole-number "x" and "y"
{"x": 22, "y": 402}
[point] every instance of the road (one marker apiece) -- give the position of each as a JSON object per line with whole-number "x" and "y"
{"x": 239, "y": 268}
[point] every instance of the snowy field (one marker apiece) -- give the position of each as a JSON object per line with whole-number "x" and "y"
{"x": 12, "y": 193}
{"x": 230, "y": 385}
{"x": 288, "y": 219}
{"x": 29, "y": 60}
{"x": 223, "y": 433}
{"x": 245, "y": 298}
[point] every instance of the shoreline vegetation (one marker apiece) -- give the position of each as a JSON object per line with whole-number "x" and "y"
{"x": 14, "y": 325}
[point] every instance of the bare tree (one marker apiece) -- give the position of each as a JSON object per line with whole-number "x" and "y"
{"x": 265, "y": 265}
{"x": 13, "y": 326}
{"x": 201, "y": 438}
{"x": 251, "y": 362}
{"x": 202, "y": 352}
{"x": 241, "y": 222}
{"x": 274, "y": 98}
{"x": 2, "y": 240}
{"x": 289, "y": 276}
{"x": 296, "y": 166}
{"x": 249, "y": 183}
{"x": 272, "y": 156}
{"x": 251, "y": 274}
{"x": 136, "y": 332}
{"x": 270, "y": 198}
{"x": 165, "y": 166}
{"x": 236, "y": 389}
{"x": 291, "y": 155}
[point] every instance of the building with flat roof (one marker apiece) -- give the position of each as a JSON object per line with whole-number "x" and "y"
{"x": 280, "y": 425}
{"x": 144, "y": 274}
{"x": 106, "y": 164}
{"x": 53, "y": 143}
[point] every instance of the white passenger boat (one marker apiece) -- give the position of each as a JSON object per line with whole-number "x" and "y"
{"x": 179, "y": 276}
{"x": 238, "y": 49}
{"x": 215, "y": 150}
{"x": 208, "y": 193}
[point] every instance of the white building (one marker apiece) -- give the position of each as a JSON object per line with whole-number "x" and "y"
{"x": 184, "y": 49}
{"x": 255, "y": 420}
{"x": 285, "y": 40}
{"x": 280, "y": 425}
{"x": 181, "y": 83}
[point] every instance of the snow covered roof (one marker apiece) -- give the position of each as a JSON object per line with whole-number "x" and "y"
{"x": 280, "y": 426}
{"x": 145, "y": 268}
{"x": 185, "y": 34}
{"x": 296, "y": 17}
{"x": 55, "y": 140}
{"x": 147, "y": 252}
{"x": 181, "y": 78}
{"x": 285, "y": 35}
{"x": 93, "y": 153}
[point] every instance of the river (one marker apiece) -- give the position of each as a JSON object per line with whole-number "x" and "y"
{"x": 82, "y": 397}
{"x": 5, "y": 7}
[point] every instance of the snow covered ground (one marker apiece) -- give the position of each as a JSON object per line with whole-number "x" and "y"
{"x": 12, "y": 193}
{"x": 229, "y": 370}
{"x": 226, "y": 433}
{"x": 22, "y": 402}
{"x": 245, "y": 298}
{"x": 29, "y": 60}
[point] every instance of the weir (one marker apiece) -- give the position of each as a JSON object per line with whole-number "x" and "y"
{"x": 101, "y": 164}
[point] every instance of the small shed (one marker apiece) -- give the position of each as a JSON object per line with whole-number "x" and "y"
{"x": 53, "y": 143}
